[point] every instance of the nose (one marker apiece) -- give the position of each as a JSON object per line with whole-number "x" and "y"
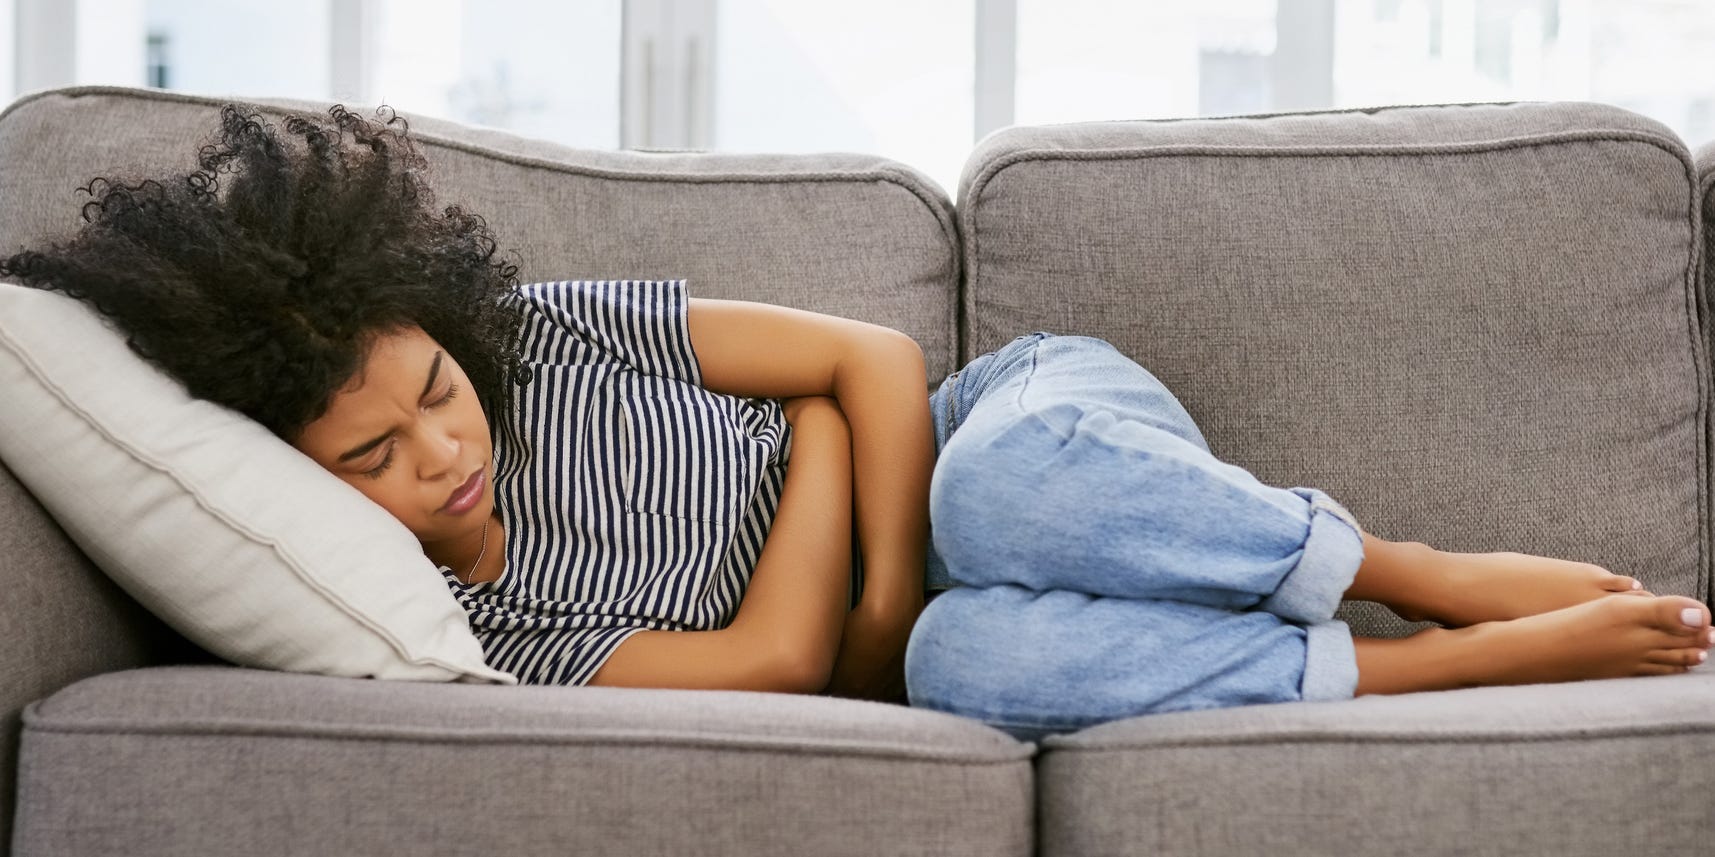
{"x": 440, "y": 452}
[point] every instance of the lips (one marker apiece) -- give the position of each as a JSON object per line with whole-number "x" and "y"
{"x": 464, "y": 498}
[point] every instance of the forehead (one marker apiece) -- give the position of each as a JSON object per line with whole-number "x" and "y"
{"x": 393, "y": 358}
{"x": 389, "y": 382}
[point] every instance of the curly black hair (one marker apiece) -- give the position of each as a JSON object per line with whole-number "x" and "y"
{"x": 266, "y": 298}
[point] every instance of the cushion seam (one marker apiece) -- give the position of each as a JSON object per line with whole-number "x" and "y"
{"x": 594, "y": 737}
{"x": 1698, "y": 330}
{"x": 1579, "y": 736}
{"x": 1702, "y": 277}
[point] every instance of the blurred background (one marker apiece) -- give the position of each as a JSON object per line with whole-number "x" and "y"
{"x": 915, "y": 80}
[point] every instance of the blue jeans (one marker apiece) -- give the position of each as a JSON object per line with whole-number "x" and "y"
{"x": 1100, "y": 563}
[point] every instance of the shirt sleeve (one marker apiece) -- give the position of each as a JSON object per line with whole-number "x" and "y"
{"x": 640, "y": 323}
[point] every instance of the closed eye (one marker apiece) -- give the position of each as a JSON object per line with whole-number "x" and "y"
{"x": 452, "y": 390}
{"x": 375, "y": 472}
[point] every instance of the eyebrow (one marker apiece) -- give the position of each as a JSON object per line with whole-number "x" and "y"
{"x": 364, "y": 448}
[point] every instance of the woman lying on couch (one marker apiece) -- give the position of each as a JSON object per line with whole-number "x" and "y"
{"x": 674, "y": 484}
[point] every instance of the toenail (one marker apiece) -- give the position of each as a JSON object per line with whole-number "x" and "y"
{"x": 1702, "y": 656}
{"x": 1712, "y": 636}
{"x": 1691, "y": 616}
{"x": 1637, "y": 585}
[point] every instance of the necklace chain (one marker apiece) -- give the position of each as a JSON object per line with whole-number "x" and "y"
{"x": 479, "y": 555}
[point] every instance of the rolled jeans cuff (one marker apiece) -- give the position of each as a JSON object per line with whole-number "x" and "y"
{"x": 1332, "y": 553}
{"x": 1330, "y": 663}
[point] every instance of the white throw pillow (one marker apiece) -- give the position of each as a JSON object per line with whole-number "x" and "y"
{"x": 224, "y": 531}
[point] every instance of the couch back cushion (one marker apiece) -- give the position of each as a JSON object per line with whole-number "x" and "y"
{"x": 1477, "y": 326}
{"x": 852, "y": 235}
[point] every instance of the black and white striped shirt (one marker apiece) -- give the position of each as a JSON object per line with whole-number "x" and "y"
{"x": 633, "y": 498}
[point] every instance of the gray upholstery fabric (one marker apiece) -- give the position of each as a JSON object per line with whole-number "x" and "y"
{"x": 61, "y": 620}
{"x": 1580, "y": 769}
{"x": 225, "y": 760}
{"x": 851, "y": 235}
{"x": 1475, "y": 326}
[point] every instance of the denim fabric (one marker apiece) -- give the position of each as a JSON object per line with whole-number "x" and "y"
{"x": 1100, "y": 563}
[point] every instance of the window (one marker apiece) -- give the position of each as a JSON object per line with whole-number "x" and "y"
{"x": 472, "y": 60}
{"x": 1648, "y": 56}
{"x": 193, "y": 50}
{"x": 1081, "y": 60}
{"x": 891, "y": 77}
{"x": 8, "y": 52}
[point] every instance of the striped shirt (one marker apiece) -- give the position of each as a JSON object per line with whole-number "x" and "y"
{"x": 633, "y": 498}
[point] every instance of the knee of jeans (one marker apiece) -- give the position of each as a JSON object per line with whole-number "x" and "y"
{"x": 974, "y": 489}
{"x": 923, "y": 643}
{"x": 988, "y": 475}
{"x": 933, "y": 648}
{"x": 949, "y": 510}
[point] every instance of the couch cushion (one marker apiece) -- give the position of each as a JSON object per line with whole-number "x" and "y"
{"x": 1475, "y": 326}
{"x": 159, "y": 760}
{"x": 852, "y": 235}
{"x": 1580, "y": 769}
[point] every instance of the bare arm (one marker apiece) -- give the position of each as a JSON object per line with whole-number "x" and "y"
{"x": 789, "y": 621}
{"x": 878, "y": 377}
{"x": 798, "y": 592}
{"x": 786, "y": 632}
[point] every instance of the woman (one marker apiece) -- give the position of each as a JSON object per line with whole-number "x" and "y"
{"x": 672, "y": 487}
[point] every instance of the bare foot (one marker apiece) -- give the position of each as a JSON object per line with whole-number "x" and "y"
{"x": 1489, "y": 587}
{"x": 1603, "y": 638}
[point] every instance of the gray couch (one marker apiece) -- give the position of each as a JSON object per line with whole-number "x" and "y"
{"x": 1484, "y": 327}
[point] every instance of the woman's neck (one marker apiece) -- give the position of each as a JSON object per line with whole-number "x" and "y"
{"x": 479, "y": 558}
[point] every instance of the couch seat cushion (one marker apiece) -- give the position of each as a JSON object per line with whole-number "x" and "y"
{"x": 1608, "y": 767}
{"x": 163, "y": 760}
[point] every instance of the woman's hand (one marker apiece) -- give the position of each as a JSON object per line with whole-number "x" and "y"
{"x": 871, "y": 661}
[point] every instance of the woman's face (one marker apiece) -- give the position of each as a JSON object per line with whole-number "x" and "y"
{"x": 408, "y": 432}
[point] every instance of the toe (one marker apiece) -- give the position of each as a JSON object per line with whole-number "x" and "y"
{"x": 1658, "y": 669}
{"x": 1678, "y": 657}
{"x": 1621, "y": 583}
{"x": 1680, "y": 615}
